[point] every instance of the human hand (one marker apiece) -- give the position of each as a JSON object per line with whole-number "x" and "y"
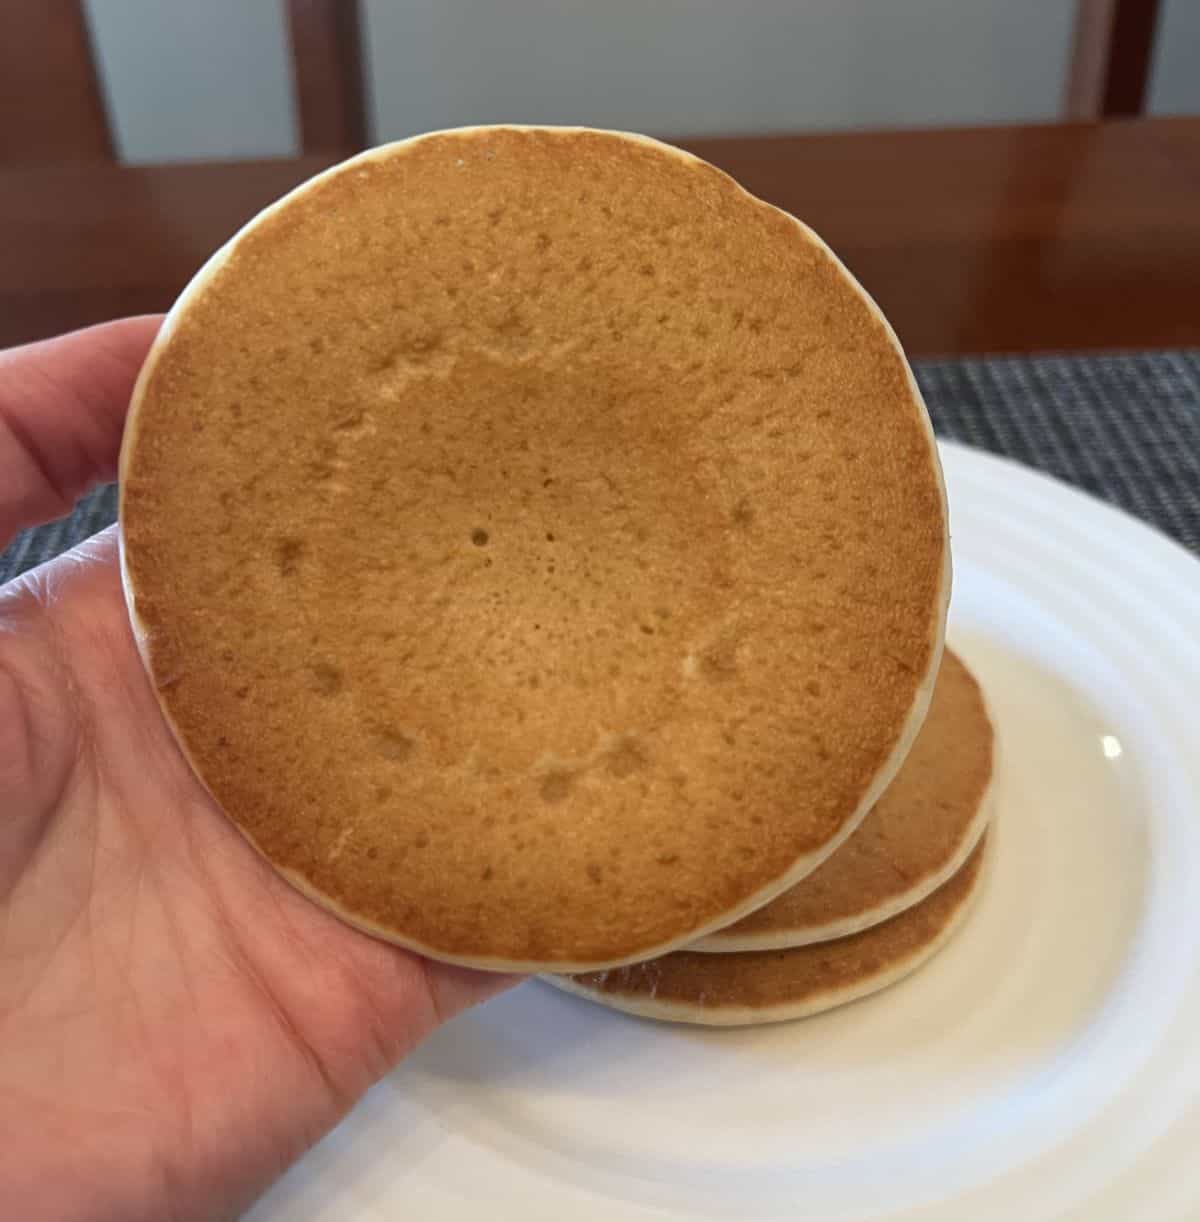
{"x": 177, "y": 1025}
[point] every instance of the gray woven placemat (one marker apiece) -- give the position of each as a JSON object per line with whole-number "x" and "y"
{"x": 1125, "y": 427}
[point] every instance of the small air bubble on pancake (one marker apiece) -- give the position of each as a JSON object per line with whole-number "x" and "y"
{"x": 354, "y": 422}
{"x": 288, "y": 554}
{"x": 813, "y": 687}
{"x": 556, "y": 786}
{"x": 394, "y": 746}
{"x": 743, "y": 513}
{"x": 626, "y": 758}
{"x": 327, "y": 679}
{"x": 479, "y": 537}
{"x": 719, "y": 663}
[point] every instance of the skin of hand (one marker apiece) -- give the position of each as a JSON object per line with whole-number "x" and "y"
{"x": 177, "y": 1024}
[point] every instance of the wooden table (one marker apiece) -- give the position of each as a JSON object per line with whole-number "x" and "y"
{"x": 980, "y": 240}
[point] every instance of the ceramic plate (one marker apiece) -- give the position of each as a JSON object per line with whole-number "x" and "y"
{"x": 1045, "y": 1065}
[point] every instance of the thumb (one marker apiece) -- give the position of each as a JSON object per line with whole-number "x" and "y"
{"x": 62, "y": 410}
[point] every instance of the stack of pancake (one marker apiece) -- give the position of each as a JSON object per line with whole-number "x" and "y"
{"x": 539, "y": 549}
{"x": 882, "y": 905}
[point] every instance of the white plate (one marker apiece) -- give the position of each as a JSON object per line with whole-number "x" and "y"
{"x": 1045, "y": 1065}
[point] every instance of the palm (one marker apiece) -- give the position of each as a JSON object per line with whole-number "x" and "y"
{"x": 175, "y": 1021}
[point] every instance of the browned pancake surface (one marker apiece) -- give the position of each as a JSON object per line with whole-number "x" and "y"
{"x": 802, "y": 974}
{"x": 537, "y": 541}
{"x": 915, "y": 831}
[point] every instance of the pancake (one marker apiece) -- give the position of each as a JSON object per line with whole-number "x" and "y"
{"x": 537, "y": 544}
{"x": 916, "y": 836}
{"x": 770, "y": 986}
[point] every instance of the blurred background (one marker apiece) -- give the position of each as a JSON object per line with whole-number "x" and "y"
{"x": 1003, "y": 175}
{"x": 1016, "y": 182}
{"x": 151, "y": 81}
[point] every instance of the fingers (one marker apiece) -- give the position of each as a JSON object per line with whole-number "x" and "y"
{"x": 39, "y": 739}
{"x": 455, "y": 989}
{"x": 62, "y": 410}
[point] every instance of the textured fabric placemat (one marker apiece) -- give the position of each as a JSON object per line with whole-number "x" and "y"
{"x": 1125, "y": 427}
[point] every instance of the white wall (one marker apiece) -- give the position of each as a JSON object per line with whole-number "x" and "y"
{"x": 1175, "y": 84}
{"x": 711, "y": 66}
{"x": 195, "y": 79}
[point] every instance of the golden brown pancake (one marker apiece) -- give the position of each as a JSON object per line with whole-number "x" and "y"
{"x": 915, "y": 837}
{"x": 775, "y": 985}
{"x": 538, "y": 544}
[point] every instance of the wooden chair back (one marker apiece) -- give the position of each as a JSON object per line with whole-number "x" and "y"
{"x": 53, "y": 109}
{"x": 52, "y": 104}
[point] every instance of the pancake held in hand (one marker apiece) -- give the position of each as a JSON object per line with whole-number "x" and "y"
{"x": 766, "y": 986}
{"x": 537, "y": 543}
{"x": 916, "y": 836}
